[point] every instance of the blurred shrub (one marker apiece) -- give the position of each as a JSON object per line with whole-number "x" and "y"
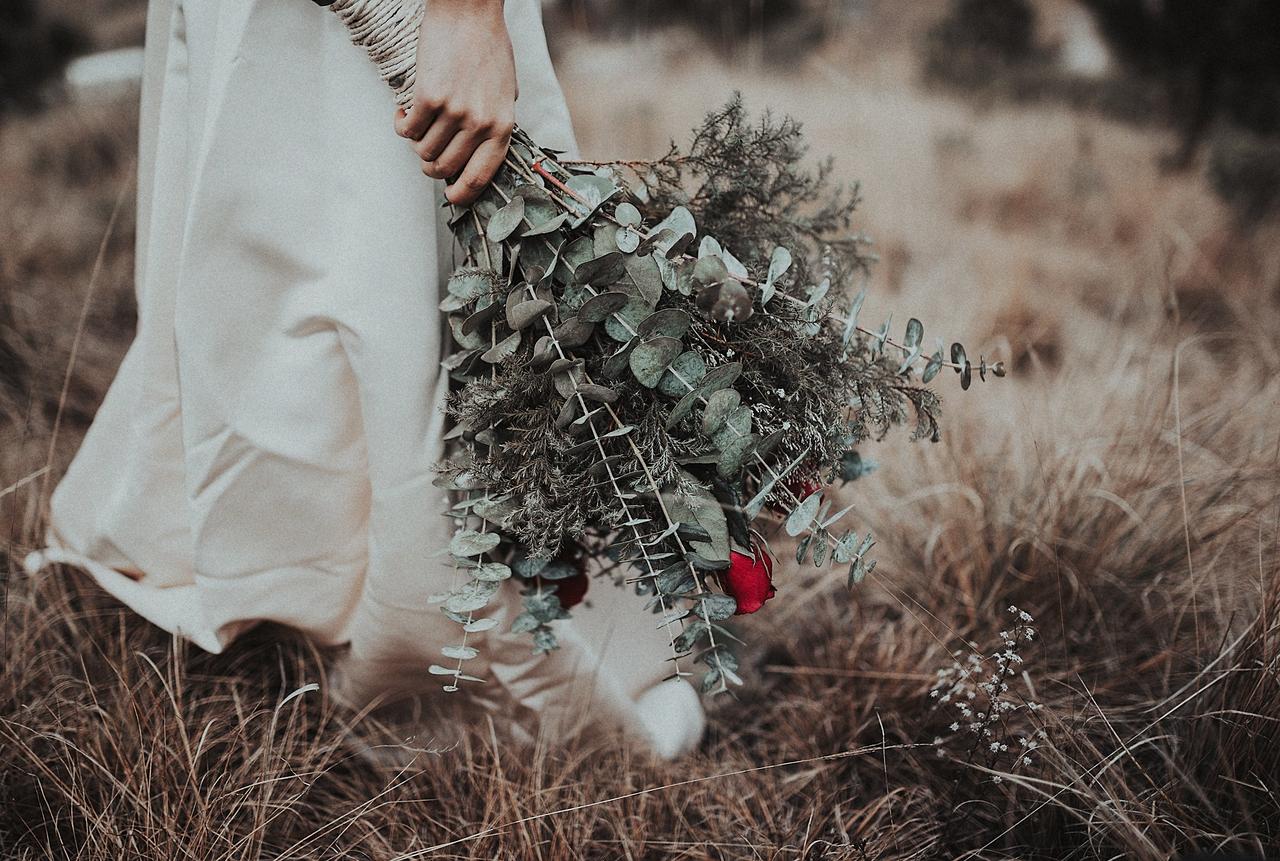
{"x": 979, "y": 42}
{"x": 1244, "y": 169}
{"x": 1217, "y": 60}
{"x": 1192, "y": 63}
{"x": 34, "y": 48}
{"x": 989, "y": 50}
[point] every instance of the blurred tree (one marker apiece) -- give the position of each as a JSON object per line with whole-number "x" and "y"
{"x": 34, "y": 49}
{"x": 727, "y": 25}
{"x": 1002, "y": 29}
{"x": 978, "y": 41}
{"x": 1216, "y": 58}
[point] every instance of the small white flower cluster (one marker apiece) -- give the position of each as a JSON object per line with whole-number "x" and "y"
{"x": 995, "y": 720}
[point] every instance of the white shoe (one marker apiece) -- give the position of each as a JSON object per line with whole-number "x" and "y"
{"x": 35, "y": 562}
{"x": 672, "y": 716}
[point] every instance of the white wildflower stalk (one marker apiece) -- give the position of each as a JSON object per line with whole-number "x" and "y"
{"x": 980, "y": 690}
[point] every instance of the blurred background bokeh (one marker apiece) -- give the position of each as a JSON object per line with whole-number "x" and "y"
{"x": 1016, "y": 156}
{"x": 1086, "y": 189}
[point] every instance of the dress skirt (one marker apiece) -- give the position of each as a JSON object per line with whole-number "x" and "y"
{"x": 267, "y": 450}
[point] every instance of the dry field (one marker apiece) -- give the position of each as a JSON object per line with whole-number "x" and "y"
{"x": 1122, "y": 486}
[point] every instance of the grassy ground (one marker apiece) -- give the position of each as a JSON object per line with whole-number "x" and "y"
{"x": 1121, "y": 487}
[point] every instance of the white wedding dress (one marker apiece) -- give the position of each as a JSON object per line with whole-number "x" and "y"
{"x": 267, "y": 449}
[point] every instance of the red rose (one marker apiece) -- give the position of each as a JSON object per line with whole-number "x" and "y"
{"x": 749, "y": 580}
{"x": 797, "y": 486}
{"x": 571, "y": 590}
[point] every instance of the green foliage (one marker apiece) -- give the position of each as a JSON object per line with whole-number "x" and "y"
{"x": 626, "y": 386}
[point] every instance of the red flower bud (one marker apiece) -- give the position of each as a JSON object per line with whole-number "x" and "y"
{"x": 749, "y": 580}
{"x": 570, "y": 590}
{"x": 797, "y": 485}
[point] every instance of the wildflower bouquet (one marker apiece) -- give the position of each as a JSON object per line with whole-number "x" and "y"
{"x": 629, "y": 386}
{"x": 655, "y": 363}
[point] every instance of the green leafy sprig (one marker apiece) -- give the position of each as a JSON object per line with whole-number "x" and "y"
{"x": 623, "y": 380}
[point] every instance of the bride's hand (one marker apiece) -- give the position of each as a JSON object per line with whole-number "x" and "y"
{"x": 463, "y": 96}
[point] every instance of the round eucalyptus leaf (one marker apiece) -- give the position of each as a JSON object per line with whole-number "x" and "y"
{"x": 769, "y": 443}
{"x": 623, "y": 324}
{"x": 452, "y": 303}
{"x": 568, "y": 412}
{"x": 602, "y": 238}
{"x": 558, "y": 571}
{"x": 534, "y": 195}
{"x": 671, "y": 322}
{"x": 469, "y": 542}
{"x": 537, "y": 258}
{"x": 683, "y": 375}
{"x": 627, "y": 239}
{"x": 466, "y": 340}
{"x": 506, "y": 220}
{"x": 567, "y": 381}
{"x": 529, "y": 566}
{"x": 551, "y": 225}
{"x": 572, "y": 256}
{"x": 931, "y": 370}
{"x": 915, "y": 332}
{"x": 725, "y": 301}
{"x": 591, "y": 190}
{"x": 617, "y": 365}
{"x": 681, "y": 224}
{"x": 734, "y": 455}
{"x": 737, "y": 424}
{"x": 600, "y": 307}
{"x": 503, "y": 349}
{"x": 544, "y": 353}
{"x": 682, "y": 409}
{"x": 779, "y": 263}
{"x": 559, "y": 366}
{"x": 601, "y": 271}
{"x": 644, "y": 273}
{"x": 459, "y": 653}
{"x": 492, "y": 571}
{"x": 716, "y": 607}
{"x": 650, "y": 242}
{"x": 710, "y": 270}
{"x": 719, "y": 406}
{"x": 600, "y": 394}
{"x": 720, "y": 377}
{"x": 651, "y": 359}
{"x": 627, "y": 214}
{"x": 472, "y": 596}
{"x": 572, "y": 297}
{"x": 574, "y": 332}
{"x": 475, "y": 321}
{"x": 525, "y": 313}
{"x": 801, "y": 518}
